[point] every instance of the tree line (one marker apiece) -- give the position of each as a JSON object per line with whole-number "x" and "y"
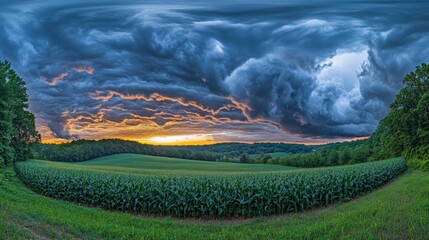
{"x": 237, "y": 150}
{"x": 82, "y": 150}
{"x": 17, "y": 124}
{"x": 405, "y": 130}
{"x": 326, "y": 155}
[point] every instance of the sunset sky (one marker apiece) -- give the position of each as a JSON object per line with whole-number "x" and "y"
{"x": 199, "y": 72}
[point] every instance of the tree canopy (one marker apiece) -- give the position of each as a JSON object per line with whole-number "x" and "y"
{"x": 235, "y": 150}
{"x": 17, "y": 124}
{"x": 405, "y": 130}
{"x": 82, "y": 150}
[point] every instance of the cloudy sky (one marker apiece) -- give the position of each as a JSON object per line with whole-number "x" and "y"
{"x": 212, "y": 71}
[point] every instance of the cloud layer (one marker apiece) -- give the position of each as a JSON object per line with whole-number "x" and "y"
{"x": 242, "y": 72}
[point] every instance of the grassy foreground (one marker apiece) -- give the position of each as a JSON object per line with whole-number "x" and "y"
{"x": 400, "y": 210}
{"x": 152, "y": 165}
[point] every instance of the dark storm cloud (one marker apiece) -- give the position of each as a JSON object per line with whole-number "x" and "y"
{"x": 313, "y": 69}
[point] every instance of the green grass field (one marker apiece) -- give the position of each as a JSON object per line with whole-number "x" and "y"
{"x": 399, "y": 210}
{"x": 151, "y": 165}
{"x": 273, "y": 155}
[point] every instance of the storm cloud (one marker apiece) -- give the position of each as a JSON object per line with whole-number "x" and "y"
{"x": 275, "y": 71}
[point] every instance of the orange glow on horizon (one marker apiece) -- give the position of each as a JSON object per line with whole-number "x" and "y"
{"x": 165, "y": 128}
{"x": 196, "y": 139}
{"x": 54, "y": 140}
{"x": 181, "y": 139}
{"x": 173, "y": 132}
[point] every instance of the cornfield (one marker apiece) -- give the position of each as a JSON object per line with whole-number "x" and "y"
{"x": 210, "y": 196}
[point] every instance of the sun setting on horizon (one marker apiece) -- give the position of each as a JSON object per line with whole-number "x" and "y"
{"x": 196, "y": 139}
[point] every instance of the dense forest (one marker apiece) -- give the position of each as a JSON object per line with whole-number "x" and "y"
{"x": 235, "y": 150}
{"x": 82, "y": 150}
{"x": 326, "y": 155}
{"x": 405, "y": 130}
{"x": 17, "y": 125}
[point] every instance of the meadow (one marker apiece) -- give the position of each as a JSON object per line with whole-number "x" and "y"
{"x": 399, "y": 210}
{"x": 152, "y": 165}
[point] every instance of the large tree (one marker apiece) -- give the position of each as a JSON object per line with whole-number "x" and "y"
{"x": 17, "y": 124}
{"x": 405, "y": 131}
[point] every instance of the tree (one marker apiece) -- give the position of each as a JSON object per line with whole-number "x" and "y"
{"x": 6, "y": 116}
{"x": 405, "y": 130}
{"x": 422, "y": 112}
{"x": 244, "y": 158}
{"x": 264, "y": 158}
{"x": 17, "y": 125}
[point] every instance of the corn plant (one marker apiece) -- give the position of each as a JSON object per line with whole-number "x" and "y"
{"x": 210, "y": 196}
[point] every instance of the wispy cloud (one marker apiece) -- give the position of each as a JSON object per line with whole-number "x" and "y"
{"x": 89, "y": 70}
{"x": 55, "y": 80}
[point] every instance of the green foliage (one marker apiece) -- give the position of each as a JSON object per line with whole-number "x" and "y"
{"x": 327, "y": 155}
{"x": 82, "y": 150}
{"x": 235, "y": 150}
{"x": 262, "y": 158}
{"x": 244, "y": 158}
{"x": 210, "y": 196}
{"x": 424, "y": 165}
{"x": 17, "y": 126}
{"x": 405, "y": 131}
{"x": 6, "y": 116}
{"x": 419, "y": 164}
